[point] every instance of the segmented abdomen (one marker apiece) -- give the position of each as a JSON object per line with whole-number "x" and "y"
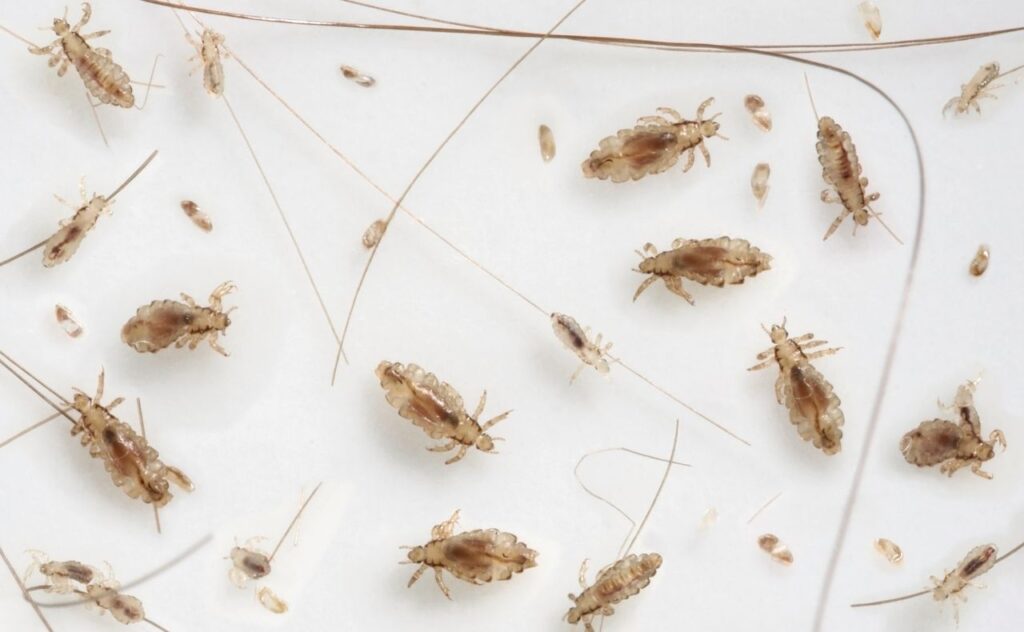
{"x": 104, "y": 79}
{"x": 931, "y": 443}
{"x": 814, "y": 408}
{"x": 634, "y": 153}
{"x": 839, "y": 164}
{"x": 421, "y": 398}
{"x": 133, "y": 465}
{"x": 157, "y": 325}
{"x": 618, "y": 582}
{"x": 486, "y": 555}
{"x": 716, "y": 262}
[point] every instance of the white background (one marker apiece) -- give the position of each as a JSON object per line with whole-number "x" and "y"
{"x": 257, "y": 430}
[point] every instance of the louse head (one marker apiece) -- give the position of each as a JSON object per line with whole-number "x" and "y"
{"x": 574, "y": 615}
{"x": 709, "y": 128}
{"x": 484, "y": 442}
{"x": 417, "y": 554}
{"x": 778, "y": 333}
{"x": 861, "y": 216}
{"x": 82, "y": 402}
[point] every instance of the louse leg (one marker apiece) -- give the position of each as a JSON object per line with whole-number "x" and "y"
{"x": 194, "y": 342}
{"x": 480, "y": 405}
{"x": 178, "y": 478}
{"x": 997, "y": 436}
{"x": 675, "y": 285}
{"x": 704, "y": 152}
{"x": 823, "y": 353}
{"x": 117, "y": 402}
{"x": 780, "y": 389}
{"x": 950, "y": 467}
{"x": 94, "y": 36}
{"x": 446, "y": 528}
{"x": 677, "y": 242}
{"x": 576, "y": 373}
{"x": 220, "y": 292}
{"x": 63, "y": 68}
{"x": 212, "y": 340}
{"x": 643, "y": 286}
{"x": 655, "y": 121}
{"x": 494, "y": 420}
{"x": 762, "y": 365}
{"x": 828, "y": 196}
{"x": 671, "y": 112}
{"x": 976, "y": 469}
{"x": 458, "y": 456}
{"x": 836, "y": 223}
{"x": 690, "y": 158}
{"x": 82, "y": 21}
{"x": 415, "y": 576}
{"x": 191, "y": 302}
{"x": 444, "y": 447}
{"x": 99, "y": 387}
{"x": 703, "y": 106}
{"x": 440, "y": 583}
{"x": 582, "y": 578}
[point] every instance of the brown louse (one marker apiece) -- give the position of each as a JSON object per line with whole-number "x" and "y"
{"x": 714, "y": 262}
{"x": 841, "y": 169}
{"x": 209, "y": 54}
{"x": 162, "y": 323}
{"x": 477, "y": 557}
{"x": 813, "y": 406}
{"x": 134, "y": 466}
{"x": 103, "y": 78}
{"x": 613, "y": 584}
{"x": 436, "y": 408}
{"x": 652, "y": 146}
{"x": 199, "y": 218}
{"x": 953, "y": 444}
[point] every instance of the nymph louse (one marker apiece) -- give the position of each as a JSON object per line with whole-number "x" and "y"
{"x": 60, "y": 575}
{"x": 436, "y": 408}
{"x": 162, "y": 323}
{"x": 209, "y": 54}
{"x": 758, "y": 112}
{"x": 270, "y": 601}
{"x": 134, "y": 466}
{"x": 953, "y": 445}
{"x": 577, "y": 340}
{"x": 124, "y": 608}
{"x": 67, "y": 321}
{"x": 616, "y": 582}
{"x": 477, "y": 557}
{"x": 872, "y": 18}
{"x": 199, "y": 218}
{"x": 759, "y": 182}
{"x": 547, "y": 143}
{"x": 104, "y": 79}
{"x": 714, "y": 262}
{"x": 980, "y": 261}
{"x": 813, "y": 407}
{"x": 652, "y": 146}
{"x": 978, "y": 561}
{"x": 977, "y": 88}
{"x": 65, "y": 242}
{"x": 248, "y": 562}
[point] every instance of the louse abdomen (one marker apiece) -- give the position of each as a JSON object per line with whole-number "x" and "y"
{"x": 157, "y": 326}
{"x": 105, "y": 79}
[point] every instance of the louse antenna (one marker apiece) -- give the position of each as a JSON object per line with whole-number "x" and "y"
{"x": 765, "y": 329}
{"x": 666, "y": 45}
{"x": 24, "y": 591}
{"x": 291, "y": 525}
{"x": 810, "y": 96}
{"x": 878, "y": 216}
